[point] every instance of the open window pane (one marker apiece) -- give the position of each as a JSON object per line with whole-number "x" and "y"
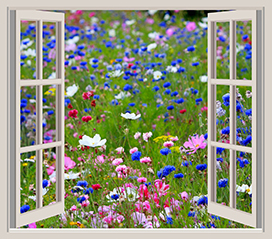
{"x": 28, "y": 182}
{"x": 222, "y": 50}
{"x": 28, "y": 50}
{"x": 243, "y": 53}
{"x": 49, "y": 182}
{"x": 28, "y": 116}
{"x": 49, "y": 113}
{"x": 244, "y": 181}
{"x": 244, "y": 115}
{"x": 222, "y": 176}
{"x": 49, "y": 50}
{"x": 223, "y": 113}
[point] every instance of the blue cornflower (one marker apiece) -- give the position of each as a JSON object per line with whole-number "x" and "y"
{"x": 50, "y": 112}
{"x": 191, "y": 214}
{"x": 201, "y": 167}
{"x": 248, "y": 112}
{"x": 219, "y": 150}
{"x": 223, "y": 183}
{"x": 24, "y": 208}
{"x": 165, "y": 151}
{"x": 169, "y": 220}
{"x": 82, "y": 183}
{"x": 156, "y": 88}
{"x": 127, "y": 87}
{"x": 190, "y": 48}
{"x": 88, "y": 191}
{"x": 195, "y": 63}
{"x": 226, "y": 130}
{"x": 180, "y": 101}
{"x": 226, "y": 99}
{"x": 206, "y": 136}
{"x": 222, "y": 39}
{"x": 246, "y": 141}
{"x": 131, "y": 104}
{"x": 115, "y": 196}
{"x": 44, "y": 183}
{"x": 175, "y": 93}
{"x": 198, "y": 101}
{"x": 166, "y": 84}
{"x": 136, "y": 156}
{"x": 179, "y": 175}
{"x": 202, "y": 200}
{"x": 220, "y": 159}
{"x": 170, "y": 107}
{"x": 81, "y": 199}
{"x": 165, "y": 171}
{"x": 186, "y": 163}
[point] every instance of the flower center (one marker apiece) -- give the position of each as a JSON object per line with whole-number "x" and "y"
{"x": 197, "y": 145}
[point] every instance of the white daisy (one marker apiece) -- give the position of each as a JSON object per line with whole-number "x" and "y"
{"x": 71, "y": 90}
{"x": 132, "y": 116}
{"x": 92, "y": 142}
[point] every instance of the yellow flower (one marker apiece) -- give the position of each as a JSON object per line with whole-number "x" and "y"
{"x": 163, "y": 138}
{"x": 175, "y": 149}
{"x": 32, "y": 157}
{"x": 24, "y": 164}
{"x": 111, "y": 61}
{"x": 73, "y": 223}
{"x": 51, "y": 91}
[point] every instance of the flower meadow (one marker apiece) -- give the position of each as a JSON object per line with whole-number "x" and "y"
{"x": 135, "y": 121}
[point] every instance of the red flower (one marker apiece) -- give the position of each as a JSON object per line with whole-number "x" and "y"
{"x": 80, "y": 136}
{"x": 86, "y": 118}
{"x": 182, "y": 111}
{"x": 93, "y": 103}
{"x": 70, "y": 106}
{"x": 86, "y": 95}
{"x": 130, "y": 65}
{"x": 73, "y": 113}
{"x": 96, "y": 186}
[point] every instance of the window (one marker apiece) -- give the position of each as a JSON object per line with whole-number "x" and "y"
{"x": 233, "y": 145}
{"x": 233, "y": 85}
{"x": 34, "y": 148}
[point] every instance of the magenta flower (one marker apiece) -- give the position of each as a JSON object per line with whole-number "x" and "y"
{"x": 68, "y": 163}
{"x": 32, "y": 225}
{"x": 195, "y": 143}
{"x": 142, "y": 180}
{"x": 184, "y": 196}
{"x": 133, "y": 150}
{"x": 145, "y": 160}
{"x": 190, "y": 26}
{"x": 117, "y": 161}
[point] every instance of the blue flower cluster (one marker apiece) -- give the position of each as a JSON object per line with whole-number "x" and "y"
{"x": 165, "y": 171}
{"x": 136, "y": 156}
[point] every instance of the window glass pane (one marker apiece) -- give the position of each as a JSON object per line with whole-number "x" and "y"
{"x": 222, "y": 50}
{"x": 244, "y": 115}
{"x": 28, "y": 182}
{"x": 28, "y": 50}
{"x": 243, "y": 50}
{"x": 28, "y": 116}
{"x": 223, "y": 114}
{"x": 244, "y": 181}
{"x": 49, "y": 176}
{"x": 222, "y": 176}
{"x": 49, "y": 113}
{"x": 49, "y": 50}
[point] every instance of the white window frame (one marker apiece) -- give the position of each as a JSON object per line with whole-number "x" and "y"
{"x": 252, "y": 219}
{"x": 41, "y": 212}
{"x": 265, "y": 232}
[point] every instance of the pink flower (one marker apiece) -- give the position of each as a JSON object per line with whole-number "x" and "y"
{"x": 91, "y": 14}
{"x": 184, "y": 196}
{"x": 146, "y": 136}
{"x": 128, "y": 59}
{"x": 162, "y": 188}
{"x": 68, "y": 163}
{"x": 121, "y": 168}
{"x": 204, "y": 109}
{"x": 50, "y": 169}
{"x": 75, "y": 135}
{"x": 85, "y": 203}
{"x": 174, "y": 139}
{"x": 168, "y": 144}
{"x": 120, "y": 150}
{"x": 169, "y": 32}
{"x": 117, "y": 161}
{"x": 133, "y": 150}
{"x": 190, "y": 26}
{"x": 137, "y": 135}
{"x": 149, "y": 21}
{"x": 100, "y": 159}
{"x": 142, "y": 180}
{"x": 195, "y": 143}
{"x": 73, "y": 208}
{"x": 32, "y": 225}
{"x": 81, "y": 159}
{"x": 145, "y": 160}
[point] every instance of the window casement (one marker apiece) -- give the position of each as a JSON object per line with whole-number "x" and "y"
{"x": 231, "y": 210}
{"x": 40, "y": 82}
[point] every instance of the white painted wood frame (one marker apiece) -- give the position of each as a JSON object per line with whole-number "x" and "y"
{"x": 252, "y": 219}
{"x": 41, "y": 212}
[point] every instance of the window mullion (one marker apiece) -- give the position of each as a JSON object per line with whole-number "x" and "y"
{"x": 39, "y": 111}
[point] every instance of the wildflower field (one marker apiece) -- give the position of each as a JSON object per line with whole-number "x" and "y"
{"x": 135, "y": 121}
